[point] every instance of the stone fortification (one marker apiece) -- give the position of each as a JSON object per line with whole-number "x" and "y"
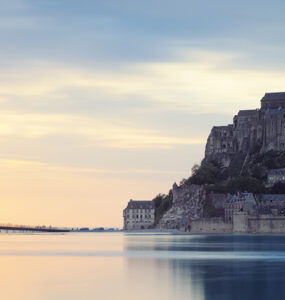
{"x": 188, "y": 203}
{"x": 265, "y": 224}
{"x": 237, "y": 156}
{"x": 252, "y": 131}
{"x": 242, "y": 223}
{"x": 212, "y": 225}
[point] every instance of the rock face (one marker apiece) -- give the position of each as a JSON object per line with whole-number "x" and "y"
{"x": 257, "y": 130}
{"x": 188, "y": 203}
{"x": 252, "y": 132}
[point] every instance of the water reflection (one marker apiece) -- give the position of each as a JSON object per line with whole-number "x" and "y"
{"x": 141, "y": 266}
{"x": 215, "y": 267}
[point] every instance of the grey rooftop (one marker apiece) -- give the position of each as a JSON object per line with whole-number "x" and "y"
{"x": 247, "y": 112}
{"x": 135, "y": 204}
{"x": 238, "y": 198}
{"x": 274, "y": 96}
{"x": 276, "y": 172}
{"x": 273, "y": 197}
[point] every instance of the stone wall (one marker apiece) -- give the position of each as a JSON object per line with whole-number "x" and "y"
{"x": 213, "y": 225}
{"x": 241, "y": 136}
{"x": 266, "y": 224}
{"x": 273, "y": 100}
{"x": 188, "y": 202}
{"x": 252, "y": 130}
{"x": 274, "y": 130}
{"x": 240, "y": 222}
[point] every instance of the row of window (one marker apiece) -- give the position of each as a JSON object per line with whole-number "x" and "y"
{"x": 136, "y": 222}
{"x": 139, "y": 210}
{"x": 145, "y": 221}
{"x": 139, "y": 216}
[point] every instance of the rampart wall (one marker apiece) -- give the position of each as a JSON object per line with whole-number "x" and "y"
{"x": 213, "y": 225}
{"x": 263, "y": 224}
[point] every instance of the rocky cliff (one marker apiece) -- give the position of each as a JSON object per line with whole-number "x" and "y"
{"x": 237, "y": 157}
{"x": 187, "y": 204}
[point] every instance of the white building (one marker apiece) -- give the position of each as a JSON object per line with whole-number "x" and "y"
{"x": 139, "y": 215}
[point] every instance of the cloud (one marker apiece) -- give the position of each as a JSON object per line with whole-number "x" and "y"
{"x": 202, "y": 82}
{"x": 22, "y": 165}
{"x": 143, "y": 106}
{"x": 119, "y": 96}
{"x": 110, "y": 33}
{"x": 90, "y": 132}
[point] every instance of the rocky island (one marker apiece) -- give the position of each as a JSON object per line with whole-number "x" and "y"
{"x": 239, "y": 187}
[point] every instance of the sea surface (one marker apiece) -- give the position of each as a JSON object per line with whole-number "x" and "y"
{"x": 141, "y": 266}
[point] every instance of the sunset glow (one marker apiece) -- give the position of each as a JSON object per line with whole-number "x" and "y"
{"x": 113, "y": 101}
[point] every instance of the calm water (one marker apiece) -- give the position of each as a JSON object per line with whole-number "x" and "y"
{"x": 141, "y": 266}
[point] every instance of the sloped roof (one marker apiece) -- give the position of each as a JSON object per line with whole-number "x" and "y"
{"x": 273, "y": 197}
{"x": 274, "y": 96}
{"x": 247, "y": 112}
{"x": 241, "y": 197}
{"x": 276, "y": 172}
{"x": 143, "y": 204}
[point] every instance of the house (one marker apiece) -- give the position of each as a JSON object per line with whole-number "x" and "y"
{"x": 139, "y": 215}
{"x": 241, "y": 202}
{"x": 272, "y": 204}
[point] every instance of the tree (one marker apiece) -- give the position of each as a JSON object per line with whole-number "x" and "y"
{"x": 195, "y": 169}
{"x": 278, "y": 188}
{"x": 207, "y": 173}
{"x": 245, "y": 184}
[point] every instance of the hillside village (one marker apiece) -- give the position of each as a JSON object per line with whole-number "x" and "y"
{"x": 239, "y": 187}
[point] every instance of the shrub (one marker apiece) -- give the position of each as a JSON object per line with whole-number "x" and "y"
{"x": 207, "y": 173}
{"x": 162, "y": 204}
{"x": 245, "y": 184}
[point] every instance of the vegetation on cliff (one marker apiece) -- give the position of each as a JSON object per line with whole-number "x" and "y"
{"x": 238, "y": 156}
{"x": 251, "y": 176}
{"x": 210, "y": 211}
{"x": 207, "y": 173}
{"x": 162, "y": 204}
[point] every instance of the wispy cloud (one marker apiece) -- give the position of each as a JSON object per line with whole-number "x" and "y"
{"x": 203, "y": 80}
{"x": 99, "y": 93}
{"x": 203, "y": 83}
{"x": 88, "y": 130}
{"x": 22, "y": 165}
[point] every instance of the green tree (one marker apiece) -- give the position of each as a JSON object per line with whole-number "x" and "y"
{"x": 245, "y": 184}
{"x": 207, "y": 173}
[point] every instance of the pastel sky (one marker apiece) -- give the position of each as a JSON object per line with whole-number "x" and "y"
{"x": 104, "y": 101}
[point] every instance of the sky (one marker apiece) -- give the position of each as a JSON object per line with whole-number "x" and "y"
{"x": 106, "y": 101}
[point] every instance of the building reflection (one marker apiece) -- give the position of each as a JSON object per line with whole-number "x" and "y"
{"x": 210, "y": 267}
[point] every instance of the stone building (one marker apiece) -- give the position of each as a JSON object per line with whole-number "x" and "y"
{"x": 274, "y": 176}
{"x": 241, "y": 202}
{"x": 271, "y": 204}
{"x": 139, "y": 215}
{"x": 273, "y": 100}
{"x": 252, "y": 130}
